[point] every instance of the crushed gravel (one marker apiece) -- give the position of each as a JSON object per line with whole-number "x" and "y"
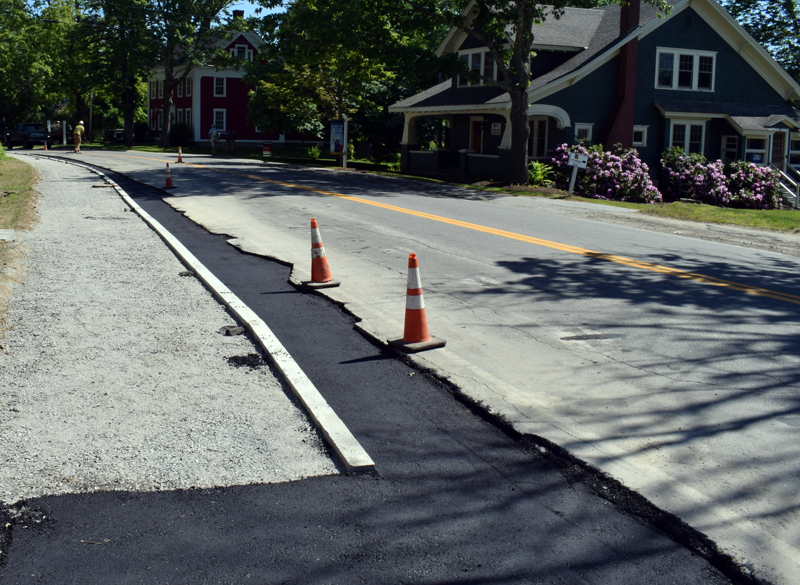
{"x": 114, "y": 374}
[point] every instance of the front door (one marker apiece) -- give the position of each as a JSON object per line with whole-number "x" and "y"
{"x": 476, "y": 142}
{"x": 778, "y": 157}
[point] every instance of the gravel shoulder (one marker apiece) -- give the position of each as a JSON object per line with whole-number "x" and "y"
{"x": 113, "y": 370}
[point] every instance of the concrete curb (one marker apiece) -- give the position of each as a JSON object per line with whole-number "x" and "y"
{"x": 336, "y": 433}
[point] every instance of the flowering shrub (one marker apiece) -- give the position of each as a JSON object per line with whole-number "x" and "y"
{"x": 738, "y": 184}
{"x": 619, "y": 175}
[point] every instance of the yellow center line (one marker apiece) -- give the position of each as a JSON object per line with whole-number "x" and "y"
{"x": 529, "y": 239}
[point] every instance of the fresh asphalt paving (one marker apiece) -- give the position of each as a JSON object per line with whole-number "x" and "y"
{"x": 455, "y": 498}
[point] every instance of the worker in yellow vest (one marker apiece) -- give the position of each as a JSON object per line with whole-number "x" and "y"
{"x": 79, "y": 129}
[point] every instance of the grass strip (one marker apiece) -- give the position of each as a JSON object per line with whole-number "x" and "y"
{"x": 16, "y": 191}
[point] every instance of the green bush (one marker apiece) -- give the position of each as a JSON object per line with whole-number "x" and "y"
{"x": 314, "y": 152}
{"x": 539, "y": 174}
{"x": 180, "y": 135}
{"x": 2, "y": 151}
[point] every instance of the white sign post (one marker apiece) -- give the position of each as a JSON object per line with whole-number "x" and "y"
{"x": 576, "y": 161}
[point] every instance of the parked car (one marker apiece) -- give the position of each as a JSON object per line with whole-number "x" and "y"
{"x": 27, "y": 135}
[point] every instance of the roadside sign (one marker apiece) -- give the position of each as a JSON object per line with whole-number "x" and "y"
{"x": 578, "y": 160}
{"x": 266, "y": 150}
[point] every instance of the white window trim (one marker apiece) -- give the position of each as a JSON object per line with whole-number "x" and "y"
{"x": 153, "y": 90}
{"x": 160, "y": 89}
{"x": 723, "y": 145}
{"x": 187, "y": 117}
{"x": 188, "y": 87}
{"x": 532, "y": 137}
{"x": 179, "y": 118}
{"x": 469, "y": 54}
{"x": 153, "y": 118}
{"x": 765, "y": 151}
{"x": 643, "y": 130}
{"x": 224, "y": 119}
{"x": 180, "y": 88}
{"x": 689, "y": 124}
{"x": 695, "y": 69}
{"x": 248, "y": 52}
{"x": 588, "y": 127}
{"x": 160, "y": 119}
{"x": 224, "y": 87}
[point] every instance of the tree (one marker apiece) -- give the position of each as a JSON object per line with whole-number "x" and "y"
{"x": 775, "y": 24}
{"x": 506, "y": 27}
{"x": 127, "y": 51}
{"x": 186, "y": 39}
{"x": 325, "y": 58}
{"x": 30, "y": 46}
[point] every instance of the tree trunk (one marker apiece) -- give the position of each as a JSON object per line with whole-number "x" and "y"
{"x": 169, "y": 83}
{"x": 128, "y": 109}
{"x": 518, "y": 169}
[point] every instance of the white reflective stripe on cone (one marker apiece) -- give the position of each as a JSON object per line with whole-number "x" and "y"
{"x": 318, "y": 252}
{"x": 413, "y": 278}
{"x": 415, "y": 302}
{"x": 315, "y": 237}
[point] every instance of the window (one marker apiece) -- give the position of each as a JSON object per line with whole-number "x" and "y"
{"x": 756, "y": 150}
{"x": 180, "y": 88}
{"x": 180, "y": 116}
{"x": 160, "y": 119}
{"x": 479, "y": 63}
{"x": 685, "y": 70}
{"x": 583, "y": 132}
{"x": 188, "y": 87}
{"x": 730, "y": 148}
{"x": 242, "y": 52}
{"x": 187, "y": 116}
{"x": 219, "y": 87}
{"x": 219, "y": 120}
{"x": 690, "y": 136}
{"x": 640, "y": 135}
{"x": 794, "y": 150}
{"x": 160, "y": 89}
{"x": 462, "y": 79}
{"x": 153, "y": 89}
{"x": 537, "y": 140}
{"x": 153, "y": 116}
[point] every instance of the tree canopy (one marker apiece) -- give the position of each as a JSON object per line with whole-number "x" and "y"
{"x": 775, "y": 24}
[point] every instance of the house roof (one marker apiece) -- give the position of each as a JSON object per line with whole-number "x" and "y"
{"x": 596, "y": 32}
{"x": 746, "y": 119}
{"x": 586, "y": 30}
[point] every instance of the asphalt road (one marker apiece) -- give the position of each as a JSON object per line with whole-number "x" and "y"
{"x": 671, "y": 363}
{"x": 455, "y": 498}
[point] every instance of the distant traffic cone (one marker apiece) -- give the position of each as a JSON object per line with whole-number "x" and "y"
{"x": 415, "y": 333}
{"x": 321, "y": 276}
{"x": 180, "y": 155}
{"x": 169, "y": 184}
{"x": 45, "y": 145}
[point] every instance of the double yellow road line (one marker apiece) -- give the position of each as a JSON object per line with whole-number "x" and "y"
{"x": 754, "y": 290}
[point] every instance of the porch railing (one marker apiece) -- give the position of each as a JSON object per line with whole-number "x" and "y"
{"x": 789, "y": 184}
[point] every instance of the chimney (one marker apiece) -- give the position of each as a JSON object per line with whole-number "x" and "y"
{"x": 620, "y": 122}
{"x": 238, "y": 13}
{"x": 629, "y": 16}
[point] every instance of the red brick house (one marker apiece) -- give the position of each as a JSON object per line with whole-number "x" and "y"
{"x": 207, "y": 96}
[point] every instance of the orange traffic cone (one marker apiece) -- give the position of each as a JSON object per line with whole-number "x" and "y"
{"x": 415, "y": 333}
{"x": 180, "y": 155}
{"x": 45, "y": 145}
{"x": 169, "y": 184}
{"x": 321, "y": 276}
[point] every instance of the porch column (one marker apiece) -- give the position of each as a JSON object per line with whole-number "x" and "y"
{"x": 409, "y": 141}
